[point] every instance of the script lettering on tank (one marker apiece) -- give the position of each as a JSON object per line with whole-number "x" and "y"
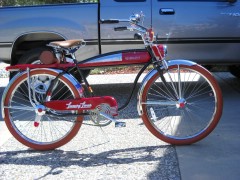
{"x": 82, "y": 105}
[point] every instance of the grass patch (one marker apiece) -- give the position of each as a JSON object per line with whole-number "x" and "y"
{"x": 120, "y": 69}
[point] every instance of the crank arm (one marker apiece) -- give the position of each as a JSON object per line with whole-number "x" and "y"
{"x": 117, "y": 123}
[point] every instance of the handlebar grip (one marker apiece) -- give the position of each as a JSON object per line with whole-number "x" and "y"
{"x": 123, "y": 28}
{"x": 109, "y": 21}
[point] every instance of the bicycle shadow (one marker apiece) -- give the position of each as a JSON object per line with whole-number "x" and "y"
{"x": 58, "y": 160}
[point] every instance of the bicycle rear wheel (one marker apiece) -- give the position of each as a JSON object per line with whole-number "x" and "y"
{"x": 40, "y": 132}
{"x": 187, "y": 109}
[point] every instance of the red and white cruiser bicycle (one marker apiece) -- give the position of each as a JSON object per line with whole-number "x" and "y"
{"x": 43, "y": 106}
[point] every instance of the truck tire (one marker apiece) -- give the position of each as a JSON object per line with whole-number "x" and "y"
{"x": 235, "y": 70}
{"x": 32, "y": 57}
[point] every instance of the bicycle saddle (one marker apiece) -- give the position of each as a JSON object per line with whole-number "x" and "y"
{"x": 67, "y": 43}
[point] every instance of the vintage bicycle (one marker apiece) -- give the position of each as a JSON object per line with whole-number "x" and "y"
{"x": 44, "y": 105}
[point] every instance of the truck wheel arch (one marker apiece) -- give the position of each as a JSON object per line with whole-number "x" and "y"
{"x": 32, "y": 40}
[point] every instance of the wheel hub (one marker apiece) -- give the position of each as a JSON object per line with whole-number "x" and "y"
{"x": 181, "y": 104}
{"x": 40, "y": 110}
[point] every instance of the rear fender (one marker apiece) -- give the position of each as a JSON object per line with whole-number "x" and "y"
{"x": 69, "y": 77}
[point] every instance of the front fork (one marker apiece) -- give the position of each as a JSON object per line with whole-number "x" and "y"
{"x": 159, "y": 65}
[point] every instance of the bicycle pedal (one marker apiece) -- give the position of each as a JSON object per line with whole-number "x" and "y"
{"x": 120, "y": 124}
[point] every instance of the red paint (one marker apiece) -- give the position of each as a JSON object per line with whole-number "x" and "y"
{"x": 83, "y": 104}
{"x": 182, "y": 105}
{"x": 36, "y": 124}
{"x": 136, "y": 57}
{"x": 125, "y": 58}
{"x": 158, "y": 50}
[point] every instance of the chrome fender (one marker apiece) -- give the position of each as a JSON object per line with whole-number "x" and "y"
{"x": 151, "y": 73}
{"x": 69, "y": 77}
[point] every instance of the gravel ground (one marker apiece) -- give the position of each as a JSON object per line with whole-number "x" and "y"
{"x": 3, "y": 72}
{"x": 114, "y": 153}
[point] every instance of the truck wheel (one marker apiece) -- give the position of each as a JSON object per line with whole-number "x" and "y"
{"x": 235, "y": 70}
{"x": 30, "y": 57}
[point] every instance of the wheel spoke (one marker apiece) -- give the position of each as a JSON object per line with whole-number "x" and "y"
{"x": 161, "y": 103}
{"x": 20, "y": 108}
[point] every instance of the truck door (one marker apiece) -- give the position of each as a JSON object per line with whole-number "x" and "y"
{"x": 206, "y": 31}
{"x": 121, "y": 9}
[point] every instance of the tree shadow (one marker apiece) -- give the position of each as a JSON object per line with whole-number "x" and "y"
{"x": 57, "y": 160}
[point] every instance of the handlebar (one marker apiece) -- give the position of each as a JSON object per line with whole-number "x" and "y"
{"x": 147, "y": 34}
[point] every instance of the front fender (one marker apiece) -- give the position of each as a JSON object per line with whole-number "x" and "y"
{"x": 153, "y": 72}
{"x": 180, "y": 62}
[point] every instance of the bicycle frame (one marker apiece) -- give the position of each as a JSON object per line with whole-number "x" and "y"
{"x": 143, "y": 57}
{"x": 125, "y": 57}
{"x": 117, "y": 58}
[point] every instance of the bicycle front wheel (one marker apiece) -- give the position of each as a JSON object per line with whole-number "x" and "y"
{"x": 41, "y": 132}
{"x": 185, "y": 109}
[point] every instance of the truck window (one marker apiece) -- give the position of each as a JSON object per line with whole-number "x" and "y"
{"x": 41, "y": 2}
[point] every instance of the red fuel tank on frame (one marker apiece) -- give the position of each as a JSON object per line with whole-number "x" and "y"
{"x": 118, "y": 58}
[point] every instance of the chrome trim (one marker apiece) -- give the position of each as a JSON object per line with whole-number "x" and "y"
{"x": 5, "y": 44}
{"x": 29, "y": 89}
{"x": 165, "y": 50}
{"x": 140, "y": 91}
{"x": 67, "y": 76}
{"x": 180, "y": 62}
{"x": 107, "y": 58}
{"x": 153, "y": 72}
